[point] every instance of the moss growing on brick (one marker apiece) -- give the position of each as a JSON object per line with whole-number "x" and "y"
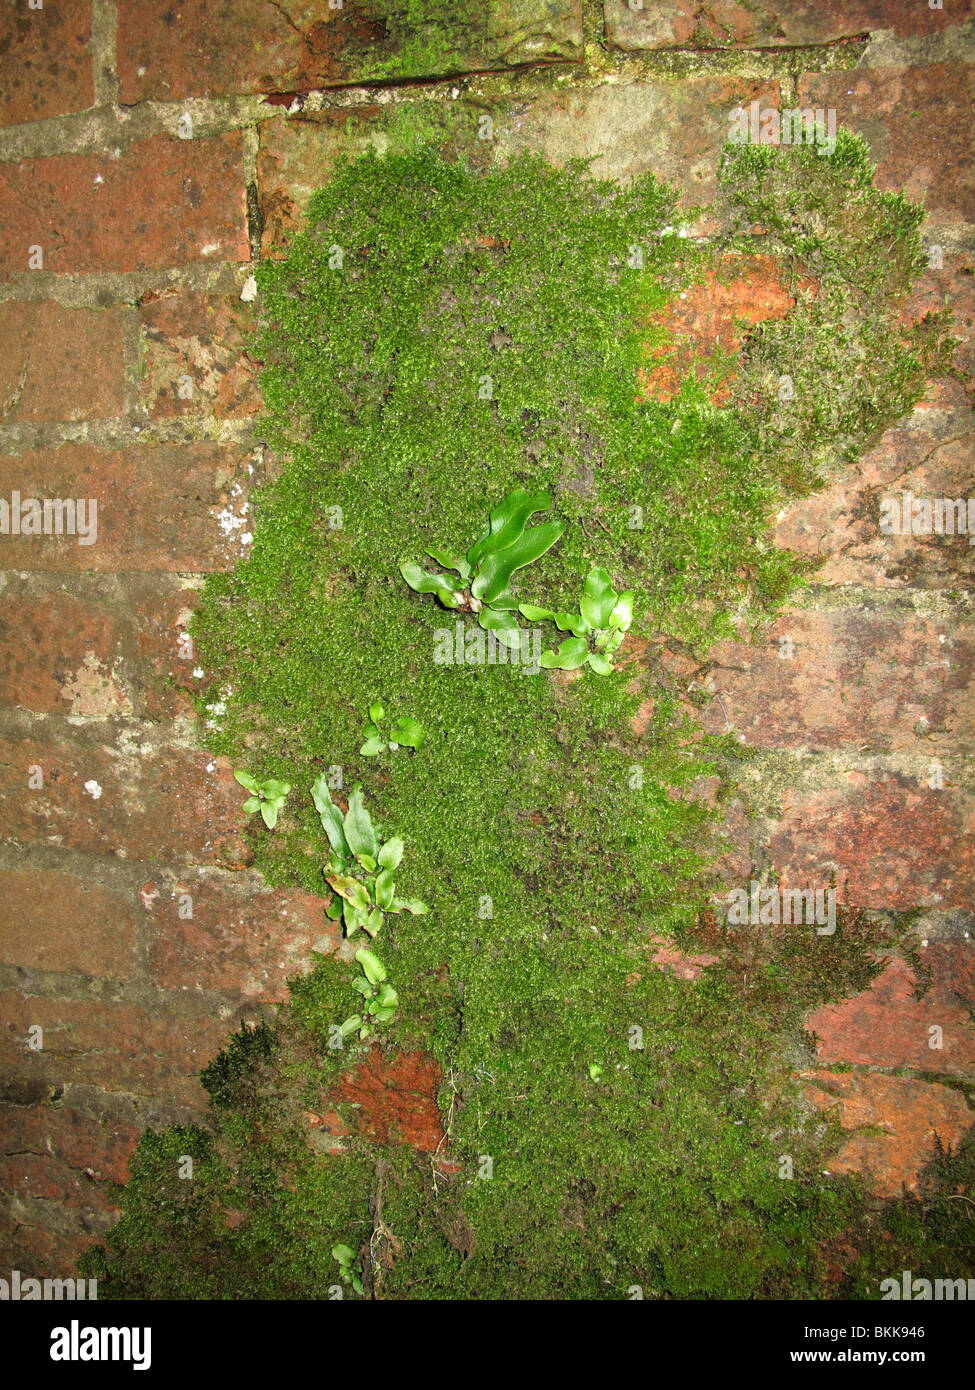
{"x": 434, "y": 338}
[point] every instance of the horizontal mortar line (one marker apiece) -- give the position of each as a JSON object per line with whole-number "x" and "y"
{"x": 846, "y": 40}
{"x": 142, "y": 991}
{"x": 933, "y": 1078}
{"x": 125, "y": 875}
{"x": 118, "y": 433}
{"x": 808, "y": 761}
{"x": 121, "y": 288}
{"x": 409, "y": 84}
{"x": 949, "y": 605}
{"x": 178, "y": 732}
{"x": 86, "y": 1095}
{"x": 94, "y": 584}
{"x": 102, "y": 129}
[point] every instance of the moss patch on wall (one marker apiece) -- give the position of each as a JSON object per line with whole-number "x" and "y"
{"x": 434, "y": 338}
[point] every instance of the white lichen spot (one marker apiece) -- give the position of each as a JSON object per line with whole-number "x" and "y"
{"x": 249, "y": 293}
{"x": 93, "y": 789}
{"x": 210, "y": 248}
{"x": 198, "y": 673}
{"x": 229, "y": 521}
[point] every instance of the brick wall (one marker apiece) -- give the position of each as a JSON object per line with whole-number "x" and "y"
{"x": 147, "y": 153}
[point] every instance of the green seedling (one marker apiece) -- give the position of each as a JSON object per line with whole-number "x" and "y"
{"x": 598, "y": 628}
{"x": 404, "y": 732}
{"x": 379, "y": 998}
{"x": 595, "y": 1071}
{"x": 267, "y": 797}
{"x": 361, "y": 870}
{"x": 349, "y": 1273}
{"x": 485, "y": 573}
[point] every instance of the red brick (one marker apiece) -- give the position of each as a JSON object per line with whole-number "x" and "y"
{"x": 394, "y": 1099}
{"x": 712, "y": 318}
{"x": 159, "y": 507}
{"x": 60, "y": 364}
{"x": 684, "y": 965}
{"x": 929, "y": 458}
{"x": 44, "y": 642}
{"x": 153, "y": 1052}
{"x": 211, "y": 48}
{"x": 728, "y": 23}
{"x": 47, "y": 66}
{"x": 857, "y": 676}
{"x": 297, "y": 157}
{"x": 888, "y": 1025}
{"x": 894, "y": 842}
{"x": 61, "y": 654}
{"x": 54, "y": 921}
{"x": 917, "y": 122}
{"x": 160, "y": 805}
{"x": 165, "y": 202}
{"x": 676, "y": 130}
{"x": 203, "y": 338}
{"x": 894, "y": 1122}
{"x": 248, "y": 945}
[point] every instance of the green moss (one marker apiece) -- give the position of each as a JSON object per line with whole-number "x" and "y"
{"x": 547, "y": 836}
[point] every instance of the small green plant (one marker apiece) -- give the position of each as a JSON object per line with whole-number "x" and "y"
{"x": 598, "y": 628}
{"x": 485, "y": 574}
{"x": 349, "y": 1273}
{"x": 380, "y": 1000}
{"x": 595, "y": 1071}
{"x": 361, "y": 869}
{"x": 267, "y": 797}
{"x": 405, "y": 732}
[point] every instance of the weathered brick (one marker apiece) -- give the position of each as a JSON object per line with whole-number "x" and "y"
{"x": 158, "y": 805}
{"x": 894, "y": 1124}
{"x": 893, "y": 842}
{"x": 917, "y": 122}
{"x": 100, "y": 1147}
{"x": 148, "y": 1051}
{"x": 164, "y": 202}
{"x": 297, "y": 157}
{"x": 731, "y": 23}
{"x": 194, "y": 355}
{"x": 951, "y": 284}
{"x": 888, "y": 1025}
{"x": 42, "y": 1251}
{"x": 53, "y": 921}
{"x": 51, "y": 649}
{"x": 394, "y": 1100}
{"x": 930, "y": 458}
{"x": 60, "y": 364}
{"x": 709, "y": 320}
{"x": 47, "y": 66}
{"x": 248, "y": 945}
{"x": 158, "y": 507}
{"x": 855, "y": 676}
{"x": 675, "y": 130}
{"x": 122, "y": 653}
{"x": 211, "y": 48}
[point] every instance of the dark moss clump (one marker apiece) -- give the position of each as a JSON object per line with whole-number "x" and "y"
{"x": 434, "y": 339}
